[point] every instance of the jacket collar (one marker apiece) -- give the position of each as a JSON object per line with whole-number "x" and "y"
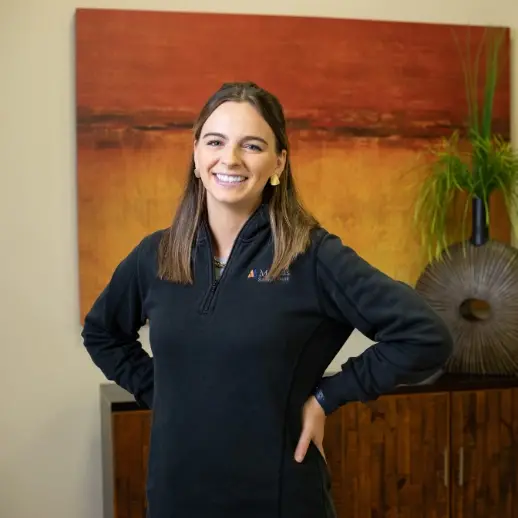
{"x": 256, "y": 223}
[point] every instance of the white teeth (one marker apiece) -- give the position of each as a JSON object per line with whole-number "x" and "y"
{"x": 230, "y": 178}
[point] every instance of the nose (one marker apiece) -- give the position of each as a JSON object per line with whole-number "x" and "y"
{"x": 230, "y": 156}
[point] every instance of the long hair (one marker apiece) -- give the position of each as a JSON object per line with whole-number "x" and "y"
{"x": 290, "y": 222}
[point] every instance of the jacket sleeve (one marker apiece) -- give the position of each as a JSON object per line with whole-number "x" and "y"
{"x": 412, "y": 341}
{"x": 111, "y": 332}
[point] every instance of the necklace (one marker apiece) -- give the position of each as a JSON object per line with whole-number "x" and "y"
{"x": 219, "y": 264}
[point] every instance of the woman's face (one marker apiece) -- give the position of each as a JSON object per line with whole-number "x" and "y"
{"x": 235, "y": 155}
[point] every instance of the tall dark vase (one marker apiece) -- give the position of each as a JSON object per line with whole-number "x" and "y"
{"x": 474, "y": 288}
{"x": 479, "y": 226}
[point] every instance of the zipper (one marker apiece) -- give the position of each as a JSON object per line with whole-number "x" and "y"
{"x": 209, "y": 297}
{"x": 214, "y": 284}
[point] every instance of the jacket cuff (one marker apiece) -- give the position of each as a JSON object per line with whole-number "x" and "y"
{"x": 323, "y": 401}
{"x": 145, "y": 399}
{"x": 337, "y": 390}
{"x": 325, "y": 396}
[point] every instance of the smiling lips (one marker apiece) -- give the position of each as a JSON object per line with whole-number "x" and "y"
{"x": 229, "y": 179}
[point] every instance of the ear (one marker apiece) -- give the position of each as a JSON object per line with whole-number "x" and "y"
{"x": 281, "y": 162}
{"x": 195, "y": 153}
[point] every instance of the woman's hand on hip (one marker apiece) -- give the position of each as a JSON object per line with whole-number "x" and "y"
{"x": 313, "y": 425}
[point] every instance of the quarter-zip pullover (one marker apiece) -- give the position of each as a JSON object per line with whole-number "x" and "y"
{"x": 235, "y": 358}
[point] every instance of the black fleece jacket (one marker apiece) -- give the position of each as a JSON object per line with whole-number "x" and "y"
{"x": 234, "y": 361}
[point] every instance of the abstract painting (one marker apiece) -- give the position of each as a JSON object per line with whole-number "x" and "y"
{"x": 364, "y": 100}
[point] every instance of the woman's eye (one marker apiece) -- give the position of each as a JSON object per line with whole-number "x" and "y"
{"x": 213, "y": 142}
{"x": 254, "y": 147}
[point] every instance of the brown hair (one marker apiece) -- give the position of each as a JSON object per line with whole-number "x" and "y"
{"x": 291, "y": 223}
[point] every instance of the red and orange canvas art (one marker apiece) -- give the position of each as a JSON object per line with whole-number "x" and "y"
{"x": 363, "y": 100}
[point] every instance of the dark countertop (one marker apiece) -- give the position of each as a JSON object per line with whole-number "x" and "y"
{"x": 119, "y": 399}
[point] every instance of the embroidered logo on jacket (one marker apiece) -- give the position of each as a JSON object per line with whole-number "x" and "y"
{"x": 260, "y": 275}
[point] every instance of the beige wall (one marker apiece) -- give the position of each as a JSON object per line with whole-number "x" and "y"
{"x": 49, "y": 416}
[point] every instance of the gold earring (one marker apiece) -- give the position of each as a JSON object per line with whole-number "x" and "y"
{"x": 274, "y": 180}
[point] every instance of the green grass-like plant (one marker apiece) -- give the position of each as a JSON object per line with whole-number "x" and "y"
{"x": 473, "y": 166}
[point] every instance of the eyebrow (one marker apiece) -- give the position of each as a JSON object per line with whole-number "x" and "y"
{"x": 247, "y": 137}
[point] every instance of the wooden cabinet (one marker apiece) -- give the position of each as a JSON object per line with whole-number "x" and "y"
{"x": 130, "y": 451}
{"x": 390, "y": 459}
{"x": 484, "y": 454}
{"x": 444, "y": 451}
{"x": 432, "y": 455}
{"x": 125, "y": 446}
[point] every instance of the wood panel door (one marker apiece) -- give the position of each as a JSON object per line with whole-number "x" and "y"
{"x": 485, "y": 454}
{"x": 390, "y": 459}
{"x": 130, "y": 445}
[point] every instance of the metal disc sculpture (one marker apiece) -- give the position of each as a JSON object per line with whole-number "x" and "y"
{"x": 474, "y": 288}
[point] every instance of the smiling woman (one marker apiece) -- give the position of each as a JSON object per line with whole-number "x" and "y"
{"x": 236, "y": 383}
{"x": 241, "y": 156}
